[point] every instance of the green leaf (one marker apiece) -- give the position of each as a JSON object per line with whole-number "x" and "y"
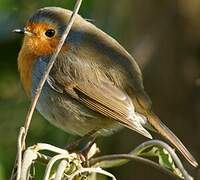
{"x": 164, "y": 158}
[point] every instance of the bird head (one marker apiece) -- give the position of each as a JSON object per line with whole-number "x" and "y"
{"x": 44, "y": 29}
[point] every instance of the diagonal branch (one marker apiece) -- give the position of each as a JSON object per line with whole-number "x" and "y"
{"x": 30, "y": 112}
{"x": 128, "y": 157}
{"x": 50, "y": 65}
{"x": 169, "y": 149}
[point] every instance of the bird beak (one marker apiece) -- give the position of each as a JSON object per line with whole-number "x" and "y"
{"x": 22, "y": 31}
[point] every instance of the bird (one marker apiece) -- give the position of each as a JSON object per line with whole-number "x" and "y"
{"x": 94, "y": 84}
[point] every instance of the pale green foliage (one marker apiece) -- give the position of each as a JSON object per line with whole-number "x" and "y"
{"x": 164, "y": 158}
{"x": 64, "y": 165}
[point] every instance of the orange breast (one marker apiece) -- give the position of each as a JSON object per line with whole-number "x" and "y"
{"x": 33, "y": 47}
{"x": 25, "y": 65}
{"x": 29, "y": 52}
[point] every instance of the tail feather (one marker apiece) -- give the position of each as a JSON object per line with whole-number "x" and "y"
{"x": 169, "y": 135}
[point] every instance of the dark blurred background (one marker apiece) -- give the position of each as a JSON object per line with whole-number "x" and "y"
{"x": 164, "y": 38}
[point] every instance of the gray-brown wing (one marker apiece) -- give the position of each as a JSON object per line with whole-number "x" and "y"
{"x": 96, "y": 48}
{"x": 109, "y": 101}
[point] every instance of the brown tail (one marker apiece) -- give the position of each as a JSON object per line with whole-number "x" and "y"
{"x": 169, "y": 135}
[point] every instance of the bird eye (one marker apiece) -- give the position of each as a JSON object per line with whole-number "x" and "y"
{"x": 50, "y": 33}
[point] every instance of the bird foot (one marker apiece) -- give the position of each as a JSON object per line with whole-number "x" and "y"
{"x": 85, "y": 148}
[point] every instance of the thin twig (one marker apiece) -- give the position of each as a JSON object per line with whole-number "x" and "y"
{"x": 61, "y": 169}
{"x": 134, "y": 155}
{"x": 171, "y": 152}
{"x": 51, "y": 163}
{"x": 49, "y": 67}
{"x": 49, "y": 147}
{"x": 16, "y": 172}
{"x": 28, "y": 157}
{"x": 43, "y": 79}
{"x": 43, "y": 159}
{"x": 148, "y": 162}
{"x": 91, "y": 170}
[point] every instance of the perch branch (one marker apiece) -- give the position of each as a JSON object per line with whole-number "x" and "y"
{"x": 48, "y": 69}
{"x": 42, "y": 81}
{"x": 148, "y": 162}
{"x": 171, "y": 152}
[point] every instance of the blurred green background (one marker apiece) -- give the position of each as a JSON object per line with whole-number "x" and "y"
{"x": 163, "y": 36}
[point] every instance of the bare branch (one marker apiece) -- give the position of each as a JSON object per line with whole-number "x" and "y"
{"x": 28, "y": 157}
{"x": 18, "y": 161}
{"x": 91, "y": 170}
{"x": 39, "y": 88}
{"x": 61, "y": 169}
{"x": 171, "y": 152}
{"x": 52, "y": 162}
{"x": 49, "y": 66}
{"x": 113, "y": 157}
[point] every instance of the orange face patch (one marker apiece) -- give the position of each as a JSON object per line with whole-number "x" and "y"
{"x": 38, "y": 43}
{"x": 35, "y": 45}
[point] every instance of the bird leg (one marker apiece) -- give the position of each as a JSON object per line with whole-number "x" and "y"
{"x": 83, "y": 143}
{"x": 84, "y": 152}
{"x": 82, "y": 146}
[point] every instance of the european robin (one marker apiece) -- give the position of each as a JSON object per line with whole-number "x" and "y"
{"x": 95, "y": 84}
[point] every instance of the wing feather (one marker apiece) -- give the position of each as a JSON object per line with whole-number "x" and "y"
{"x": 110, "y": 101}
